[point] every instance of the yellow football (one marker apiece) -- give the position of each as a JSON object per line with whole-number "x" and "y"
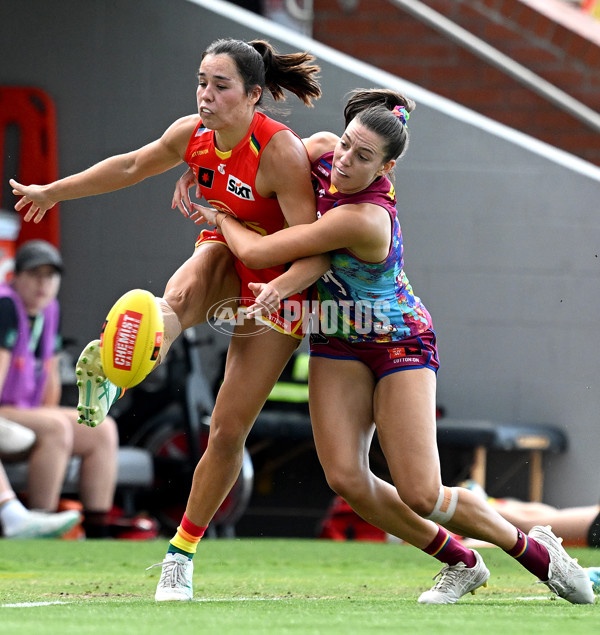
{"x": 131, "y": 338}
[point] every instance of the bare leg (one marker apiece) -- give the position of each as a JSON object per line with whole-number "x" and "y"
{"x": 6, "y": 490}
{"x": 405, "y": 415}
{"x": 98, "y": 449}
{"x": 49, "y": 455}
{"x": 572, "y": 524}
{"x": 58, "y": 438}
{"x": 343, "y": 430}
{"x": 253, "y": 366}
{"x": 204, "y": 280}
{"x": 207, "y": 278}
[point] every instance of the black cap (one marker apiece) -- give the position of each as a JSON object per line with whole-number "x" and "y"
{"x": 36, "y": 253}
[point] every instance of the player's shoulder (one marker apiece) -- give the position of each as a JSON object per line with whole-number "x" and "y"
{"x": 320, "y": 143}
{"x": 184, "y": 126}
{"x": 284, "y": 149}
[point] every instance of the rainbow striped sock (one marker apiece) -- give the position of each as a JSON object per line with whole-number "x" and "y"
{"x": 448, "y": 550}
{"x": 186, "y": 539}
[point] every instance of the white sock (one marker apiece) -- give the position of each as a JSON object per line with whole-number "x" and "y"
{"x": 12, "y": 513}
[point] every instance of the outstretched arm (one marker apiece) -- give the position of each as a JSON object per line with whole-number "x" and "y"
{"x": 269, "y": 295}
{"x": 363, "y": 228}
{"x": 114, "y": 173}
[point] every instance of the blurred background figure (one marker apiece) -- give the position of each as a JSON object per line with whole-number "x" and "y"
{"x": 30, "y": 392}
{"x": 577, "y": 526}
{"x": 16, "y": 521}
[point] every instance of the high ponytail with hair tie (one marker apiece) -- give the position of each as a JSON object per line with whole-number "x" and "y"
{"x": 402, "y": 114}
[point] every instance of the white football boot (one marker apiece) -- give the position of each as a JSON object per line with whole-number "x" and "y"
{"x": 566, "y": 577}
{"x": 96, "y": 393}
{"x": 175, "y": 584}
{"x": 455, "y": 581}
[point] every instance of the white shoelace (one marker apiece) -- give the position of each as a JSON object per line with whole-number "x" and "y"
{"x": 173, "y": 574}
{"x": 447, "y": 577}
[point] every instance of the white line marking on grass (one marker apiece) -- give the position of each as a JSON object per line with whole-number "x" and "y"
{"x": 251, "y": 599}
{"x": 28, "y": 604}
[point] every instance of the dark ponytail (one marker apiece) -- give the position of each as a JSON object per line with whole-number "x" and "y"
{"x": 259, "y": 64}
{"x": 292, "y": 72}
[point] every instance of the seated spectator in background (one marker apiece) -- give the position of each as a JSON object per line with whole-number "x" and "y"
{"x": 16, "y": 521}
{"x": 577, "y": 526}
{"x": 30, "y": 391}
{"x": 15, "y": 439}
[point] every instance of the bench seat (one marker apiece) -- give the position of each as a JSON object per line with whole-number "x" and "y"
{"x": 482, "y": 435}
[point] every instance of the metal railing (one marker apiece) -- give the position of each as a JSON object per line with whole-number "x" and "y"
{"x": 483, "y": 50}
{"x": 304, "y": 10}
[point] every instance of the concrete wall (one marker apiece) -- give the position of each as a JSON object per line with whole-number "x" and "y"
{"x": 502, "y": 233}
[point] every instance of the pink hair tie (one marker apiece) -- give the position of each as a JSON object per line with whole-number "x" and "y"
{"x": 402, "y": 114}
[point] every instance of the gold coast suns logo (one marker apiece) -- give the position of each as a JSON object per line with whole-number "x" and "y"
{"x": 238, "y": 188}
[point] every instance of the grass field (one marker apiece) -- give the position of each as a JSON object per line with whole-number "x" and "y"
{"x": 248, "y": 586}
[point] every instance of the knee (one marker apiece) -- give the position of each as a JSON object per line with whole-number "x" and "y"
{"x": 422, "y": 500}
{"x": 174, "y": 302}
{"x": 228, "y": 434}
{"x": 189, "y": 292}
{"x": 349, "y": 484}
{"x": 56, "y": 434}
{"x": 433, "y": 504}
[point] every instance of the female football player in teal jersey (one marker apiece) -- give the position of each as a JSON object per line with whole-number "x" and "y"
{"x": 374, "y": 359}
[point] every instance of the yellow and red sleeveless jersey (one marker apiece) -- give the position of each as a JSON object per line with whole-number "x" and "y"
{"x": 227, "y": 179}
